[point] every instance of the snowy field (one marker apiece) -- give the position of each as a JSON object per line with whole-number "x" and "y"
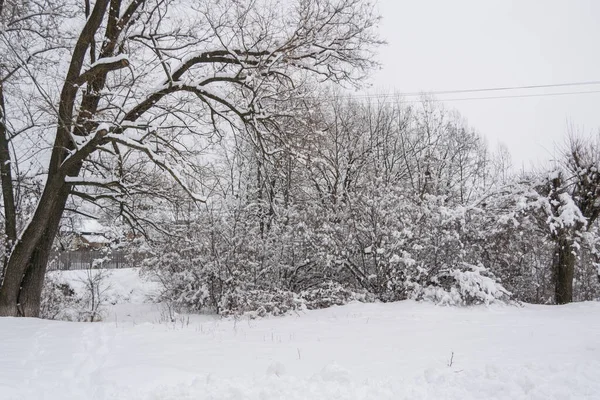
{"x": 404, "y": 350}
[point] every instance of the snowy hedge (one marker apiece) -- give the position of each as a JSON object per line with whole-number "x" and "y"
{"x": 466, "y": 285}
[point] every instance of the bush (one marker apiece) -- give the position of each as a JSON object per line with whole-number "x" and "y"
{"x": 462, "y": 286}
{"x": 59, "y": 301}
{"x": 84, "y": 303}
{"x": 260, "y": 303}
{"x": 186, "y": 285}
{"x": 332, "y": 294}
{"x": 191, "y": 286}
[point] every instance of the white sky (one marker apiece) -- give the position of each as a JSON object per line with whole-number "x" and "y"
{"x": 469, "y": 44}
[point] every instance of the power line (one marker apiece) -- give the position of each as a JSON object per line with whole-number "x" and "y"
{"x": 498, "y": 97}
{"x": 491, "y": 89}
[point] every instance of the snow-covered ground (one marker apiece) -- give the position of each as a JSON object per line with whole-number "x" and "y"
{"x": 404, "y": 350}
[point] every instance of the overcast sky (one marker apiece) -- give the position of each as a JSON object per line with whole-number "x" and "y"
{"x": 468, "y": 44}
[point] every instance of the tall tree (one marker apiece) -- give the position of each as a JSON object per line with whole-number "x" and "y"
{"x": 574, "y": 206}
{"x": 150, "y": 79}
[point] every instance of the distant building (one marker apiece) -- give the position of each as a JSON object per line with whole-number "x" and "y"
{"x": 88, "y": 241}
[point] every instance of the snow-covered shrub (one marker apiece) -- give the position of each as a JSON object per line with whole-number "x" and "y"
{"x": 94, "y": 296}
{"x": 184, "y": 284}
{"x": 383, "y": 238}
{"x": 205, "y": 272}
{"x": 59, "y": 301}
{"x": 377, "y": 246}
{"x": 461, "y": 286}
{"x": 225, "y": 262}
{"x": 332, "y": 293}
{"x": 259, "y": 303}
{"x": 82, "y": 300}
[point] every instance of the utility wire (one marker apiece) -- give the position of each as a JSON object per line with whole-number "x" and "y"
{"x": 493, "y": 89}
{"x": 495, "y": 97}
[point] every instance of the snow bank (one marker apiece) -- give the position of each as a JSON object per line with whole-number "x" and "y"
{"x": 358, "y": 351}
{"x": 120, "y": 286}
{"x": 124, "y": 296}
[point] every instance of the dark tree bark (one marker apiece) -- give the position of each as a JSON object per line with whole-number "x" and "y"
{"x": 30, "y": 298}
{"x": 564, "y": 269}
{"x": 10, "y": 213}
{"x": 30, "y": 251}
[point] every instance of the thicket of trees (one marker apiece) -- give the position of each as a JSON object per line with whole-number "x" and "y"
{"x": 210, "y": 134}
{"x": 386, "y": 201}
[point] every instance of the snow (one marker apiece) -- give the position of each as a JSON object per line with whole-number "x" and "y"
{"x": 91, "y": 225}
{"x": 88, "y": 179}
{"x": 123, "y": 286}
{"x": 570, "y": 214}
{"x": 110, "y": 60}
{"x": 359, "y": 351}
{"x": 102, "y": 127}
{"x": 96, "y": 238}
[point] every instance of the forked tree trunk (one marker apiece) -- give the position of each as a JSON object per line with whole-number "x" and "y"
{"x": 20, "y": 293}
{"x": 30, "y": 295}
{"x": 564, "y": 268}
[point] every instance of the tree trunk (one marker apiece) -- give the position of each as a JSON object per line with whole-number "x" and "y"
{"x": 564, "y": 268}
{"x": 26, "y": 266}
{"x": 30, "y": 296}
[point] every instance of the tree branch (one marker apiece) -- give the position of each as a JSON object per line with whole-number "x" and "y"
{"x": 102, "y": 68}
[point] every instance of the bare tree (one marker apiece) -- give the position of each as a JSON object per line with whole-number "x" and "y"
{"x": 148, "y": 80}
